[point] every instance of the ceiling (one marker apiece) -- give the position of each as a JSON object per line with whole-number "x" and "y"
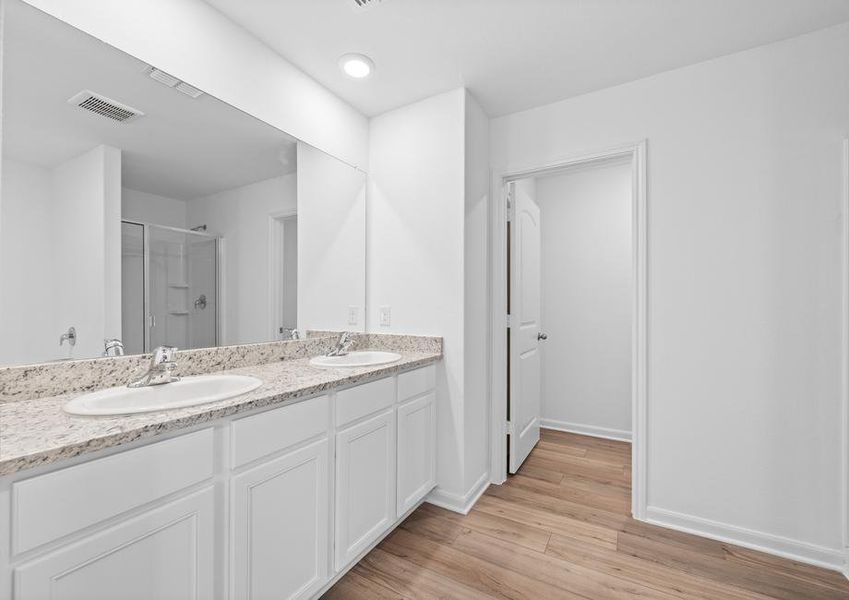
{"x": 181, "y": 148}
{"x": 515, "y": 54}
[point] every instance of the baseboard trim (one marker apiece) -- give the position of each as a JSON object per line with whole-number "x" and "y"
{"x": 618, "y": 435}
{"x": 803, "y": 552}
{"x": 459, "y": 503}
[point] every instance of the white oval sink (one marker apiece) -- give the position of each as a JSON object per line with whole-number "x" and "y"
{"x": 189, "y": 391}
{"x": 365, "y": 358}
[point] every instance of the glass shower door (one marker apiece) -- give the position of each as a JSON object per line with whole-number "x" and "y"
{"x": 133, "y": 317}
{"x": 182, "y": 299}
{"x": 203, "y": 294}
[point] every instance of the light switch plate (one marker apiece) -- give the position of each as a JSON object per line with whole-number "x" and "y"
{"x": 385, "y": 316}
{"x": 353, "y": 315}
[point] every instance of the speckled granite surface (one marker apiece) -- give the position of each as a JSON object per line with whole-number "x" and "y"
{"x": 37, "y": 431}
{"x": 54, "y": 378}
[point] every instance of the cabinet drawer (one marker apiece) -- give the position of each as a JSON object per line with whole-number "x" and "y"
{"x": 263, "y": 433}
{"x": 417, "y": 382}
{"x": 356, "y": 402}
{"x": 167, "y": 552}
{"x": 50, "y": 506}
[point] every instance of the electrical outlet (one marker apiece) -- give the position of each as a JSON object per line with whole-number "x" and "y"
{"x": 353, "y": 315}
{"x": 385, "y": 316}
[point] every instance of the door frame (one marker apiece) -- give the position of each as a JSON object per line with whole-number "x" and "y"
{"x": 844, "y": 344}
{"x": 275, "y": 246}
{"x": 636, "y": 153}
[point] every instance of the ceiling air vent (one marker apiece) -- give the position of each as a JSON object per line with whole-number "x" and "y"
{"x": 188, "y": 90}
{"x": 361, "y": 5}
{"x": 162, "y": 77}
{"x": 172, "y": 82}
{"x": 105, "y": 107}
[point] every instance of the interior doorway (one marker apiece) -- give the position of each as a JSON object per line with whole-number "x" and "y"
{"x": 571, "y": 280}
{"x": 282, "y": 275}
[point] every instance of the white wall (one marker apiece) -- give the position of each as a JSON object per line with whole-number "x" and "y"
{"x": 60, "y": 248}
{"x": 86, "y": 246}
{"x": 26, "y": 331}
{"x": 192, "y": 41}
{"x": 416, "y": 215}
{"x": 332, "y": 242}
{"x": 476, "y": 300}
{"x": 585, "y": 217}
{"x": 112, "y": 263}
{"x": 241, "y": 217}
{"x": 744, "y": 271}
{"x": 151, "y": 208}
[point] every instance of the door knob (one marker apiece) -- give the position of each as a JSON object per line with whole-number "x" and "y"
{"x": 542, "y": 336}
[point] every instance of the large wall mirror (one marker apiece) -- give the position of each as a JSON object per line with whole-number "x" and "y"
{"x": 135, "y": 207}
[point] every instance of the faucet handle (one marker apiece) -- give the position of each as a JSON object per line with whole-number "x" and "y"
{"x": 162, "y": 355}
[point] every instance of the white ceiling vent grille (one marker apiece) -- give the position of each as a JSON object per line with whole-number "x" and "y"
{"x": 361, "y": 5}
{"x": 163, "y": 77}
{"x": 188, "y": 90}
{"x": 105, "y": 107}
{"x": 172, "y": 82}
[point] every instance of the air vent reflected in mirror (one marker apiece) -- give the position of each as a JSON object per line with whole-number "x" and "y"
{"x": 360, "y": 5}
{"x": 105, "y": 107}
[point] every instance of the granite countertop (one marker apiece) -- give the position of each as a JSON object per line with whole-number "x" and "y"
{"x": 38, "y": 432}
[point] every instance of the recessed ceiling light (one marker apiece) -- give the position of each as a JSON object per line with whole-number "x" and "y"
{"x": 357, "y": 66}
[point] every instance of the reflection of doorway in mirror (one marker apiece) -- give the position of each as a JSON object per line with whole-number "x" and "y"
{"x": 282, "y": 274}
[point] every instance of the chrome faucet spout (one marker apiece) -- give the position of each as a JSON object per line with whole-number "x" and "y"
{"x": 162, "y": 365}
{"x": 70, "y": 336}
{"x": 113, "y": 347}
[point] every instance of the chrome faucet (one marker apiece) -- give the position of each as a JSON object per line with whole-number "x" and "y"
{"x": 343, "y": 344}
{"x": 113, "y": 347}
{"x": 70, "y": 335}
{"x": 162, "y": 364}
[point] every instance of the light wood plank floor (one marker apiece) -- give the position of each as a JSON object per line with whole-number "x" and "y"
{"x": 560, "y": 529}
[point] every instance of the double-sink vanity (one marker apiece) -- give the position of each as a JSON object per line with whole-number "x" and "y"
{"x": 274, "y": 492}
{"x": 141, "y": 214}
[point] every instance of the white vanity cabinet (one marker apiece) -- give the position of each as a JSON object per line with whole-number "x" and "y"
{"x": 280, "y": 509}
{"x": 280, "y": 505}
{"x": 416, "y": 451}
{"x": 416, "y": 437}
{"x": 276, "y": 503}
{"x": 136, "y": 524}
{"x": 365, "y": 466}
{"x": 365, "y": 484}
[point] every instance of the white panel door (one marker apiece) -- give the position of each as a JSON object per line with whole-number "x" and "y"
{"x": 525, "y": 292}
{"x": 416, "y": 451}
{"x": 163, "y": 554}
{"x": 280, "y": 525}
{"x": 365, "y": 484}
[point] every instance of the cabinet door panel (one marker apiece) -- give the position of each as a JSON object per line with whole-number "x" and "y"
{"x": 162, "y": 554}
{"x": 416, "y": 451}
{"x": 365, "y": 484}
{"x": 280, "y": 519}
